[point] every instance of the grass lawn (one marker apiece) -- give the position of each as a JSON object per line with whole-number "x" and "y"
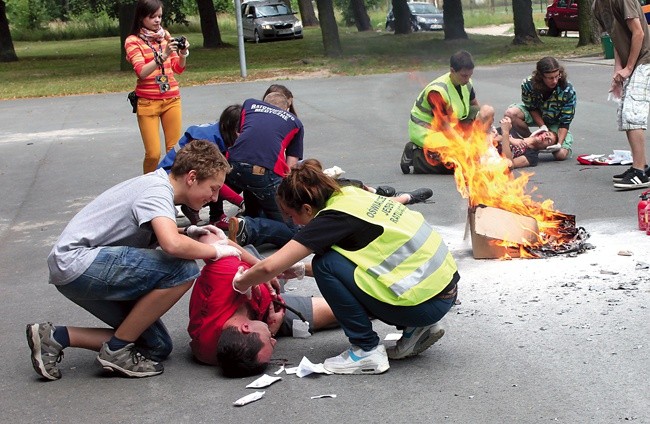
{"x": 57, "y": 68}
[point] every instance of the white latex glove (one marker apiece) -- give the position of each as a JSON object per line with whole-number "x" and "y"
{"x": 235, "y": 280}
{"x": 223, "y": 249}
{"x": 296, "y": 271}
{"x": 216, "y": 231}
{"x": 195, "y": 231}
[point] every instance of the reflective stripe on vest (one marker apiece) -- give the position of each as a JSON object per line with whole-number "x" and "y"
{"x": 403, "y": 253}
{"x": 408, "y": 263}
{"x": 421, "y": 113}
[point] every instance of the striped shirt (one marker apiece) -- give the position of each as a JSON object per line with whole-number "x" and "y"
{"x": 138, "y": 53}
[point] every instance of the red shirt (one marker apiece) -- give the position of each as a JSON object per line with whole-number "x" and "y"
{"x": 214, "y": 301}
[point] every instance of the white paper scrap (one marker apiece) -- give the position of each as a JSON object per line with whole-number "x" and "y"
{"x": 393, "y": 337}
{"x": 306, "y": 367}
{"x": 264, "y": 381}
{"x": 291, "y": 370}
{"x": 323, "y": 396}
{"x": 279, "y": 371}
{"x": 248, "y": 398}
{"x": 300, "y": 329}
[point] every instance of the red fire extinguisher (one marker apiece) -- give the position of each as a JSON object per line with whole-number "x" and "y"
{"x": 641, "y": 210}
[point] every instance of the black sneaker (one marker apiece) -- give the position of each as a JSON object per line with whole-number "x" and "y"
{"x": 629, "y": 173}
{"x": 407, "y": 158}
{"x": 386, "y": 191}
{"x": 419, "y": 195}
{"x": 633, "y": 180}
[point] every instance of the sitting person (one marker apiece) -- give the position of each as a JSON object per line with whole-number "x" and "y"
{"x": 222, "y": 133}
{"x": 452, "y": 94}
{"x": 522, "y": 152}
{"x": 237, "y": 333}
{"x": 547, "y": 98}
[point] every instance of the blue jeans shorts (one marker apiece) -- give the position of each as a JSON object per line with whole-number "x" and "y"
{"x": 118, "y": 278}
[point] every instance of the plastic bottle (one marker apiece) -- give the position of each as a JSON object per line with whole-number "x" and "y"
{"x": 641, "y": 213}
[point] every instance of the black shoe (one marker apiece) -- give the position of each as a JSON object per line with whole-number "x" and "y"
{"x": 633, "y": 180}
{"x": 419, "y": 196}
{"x": 407, "y": 158}
{"x": 629, "y": 173}
{"x": 386, "y": 191}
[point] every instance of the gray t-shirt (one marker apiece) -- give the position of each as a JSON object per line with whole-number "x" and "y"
{"x": 121, "y": 216}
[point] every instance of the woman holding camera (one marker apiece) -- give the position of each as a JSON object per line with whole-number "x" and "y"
{"x": 155, "y": 57}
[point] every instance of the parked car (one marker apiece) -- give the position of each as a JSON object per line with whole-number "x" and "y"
{"x": 424, "y": 17}
{"x": 561, "y": 15}
{"x": 269, "y": 20}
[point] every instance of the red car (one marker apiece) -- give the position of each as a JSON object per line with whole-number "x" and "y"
{"x": 561, "y": 16}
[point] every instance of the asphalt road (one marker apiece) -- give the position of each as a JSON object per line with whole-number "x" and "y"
{"x": 558, "y": 339}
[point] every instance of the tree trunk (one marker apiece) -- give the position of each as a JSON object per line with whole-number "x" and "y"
{"x": 209, "y": 25}
{"x": 452, "y": 12}
{"x": 307, "y": 14}
{"x": 361, "y": 18}
{"x": 402, "y": 15}
{"x": 525, "y": 32}
{"x": 7, "y": 51}
{"x": 589, "y": 29}
{"x": 328, "y": 28}
{"x": 126, "y": 14}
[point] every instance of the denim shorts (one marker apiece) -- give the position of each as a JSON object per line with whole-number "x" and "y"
{"x": 128, "y": 273}
{"x": 118, "y": 278}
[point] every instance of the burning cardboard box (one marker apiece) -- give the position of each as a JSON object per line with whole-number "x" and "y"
{"x": 497, "y": 233}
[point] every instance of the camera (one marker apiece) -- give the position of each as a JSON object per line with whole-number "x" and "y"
{"x": 181, "y": 42}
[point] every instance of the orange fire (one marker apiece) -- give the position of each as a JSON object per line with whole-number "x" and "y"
{"x": 483, "y": 176}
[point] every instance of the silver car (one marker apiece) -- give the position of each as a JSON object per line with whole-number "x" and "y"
{"x": 269, "y": 20}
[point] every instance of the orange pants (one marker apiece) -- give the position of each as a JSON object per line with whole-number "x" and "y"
{"x": 151, "y": 114}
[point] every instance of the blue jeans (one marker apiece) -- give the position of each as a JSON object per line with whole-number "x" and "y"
{"x": 259, "y": 231}
{"x": 118, "y": 278}
{"x": 259, "y": 190}
{"x": 353, "y": 308}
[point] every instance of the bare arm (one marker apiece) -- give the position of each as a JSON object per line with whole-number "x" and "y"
{"x": 634, "y": 25}
{"x": 182, "y": 246}
{"x": 272, "y": 266}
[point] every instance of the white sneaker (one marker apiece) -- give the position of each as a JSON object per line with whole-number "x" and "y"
{"x": 415, "y": 340}
{"x": 357, "y": 361}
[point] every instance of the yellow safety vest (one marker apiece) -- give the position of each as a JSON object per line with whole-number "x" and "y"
{"x": 422, "y": 115}
{"x": 408, "y": 263}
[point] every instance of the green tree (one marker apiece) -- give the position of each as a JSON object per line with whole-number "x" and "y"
{"x": 7, "y": 51}
{"x": 328, "y": 28}
{"x": 525, "y": 32}
{"x": 452, "y": 12}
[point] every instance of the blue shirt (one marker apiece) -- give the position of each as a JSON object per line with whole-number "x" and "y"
{"x": 208, "y": 132}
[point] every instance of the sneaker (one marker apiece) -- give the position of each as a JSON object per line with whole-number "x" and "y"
{"x": 191, "y": 214}
{"x": 357, "y": 361}
{"x": 128, "y": 361}
{"x": 419, "y": 195}
{"x": 636, "y": 179}
{"x": 386, "y": 191}
{"x": 46, "y": 352}
{"x": 629, "y": 173}
{"x": 236, "y": 230}
{"x": 415, "y": 340}
{"x": 407, "y": 158}
{"x": 221, "y": 223}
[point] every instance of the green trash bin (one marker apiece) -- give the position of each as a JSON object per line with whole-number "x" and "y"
{"x": 608, "y": 46}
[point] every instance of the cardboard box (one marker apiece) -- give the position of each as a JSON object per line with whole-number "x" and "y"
{"x": 489, "y": 225}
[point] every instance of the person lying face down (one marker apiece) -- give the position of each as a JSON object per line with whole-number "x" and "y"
{"x": 238, "y": 333}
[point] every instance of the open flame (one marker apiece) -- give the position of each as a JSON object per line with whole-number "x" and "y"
{"x": 484, "y": 178}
